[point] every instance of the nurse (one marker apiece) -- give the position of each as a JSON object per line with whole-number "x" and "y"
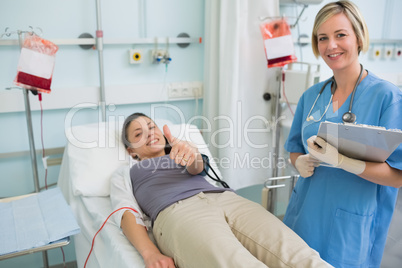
{"x": 343, "y": 212}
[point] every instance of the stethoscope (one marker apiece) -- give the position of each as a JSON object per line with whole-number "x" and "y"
{"x": 347, "y": 117}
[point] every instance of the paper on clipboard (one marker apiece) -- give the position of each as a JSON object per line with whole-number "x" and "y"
{"x": 362, "y": 142}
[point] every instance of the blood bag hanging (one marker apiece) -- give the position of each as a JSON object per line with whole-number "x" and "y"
{"x": 278, "y": 43}
{"x": 36, "y": 64}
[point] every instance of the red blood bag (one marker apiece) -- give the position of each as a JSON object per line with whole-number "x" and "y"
{"x": 278, "y": 43}
{"x": 36, "y": 64}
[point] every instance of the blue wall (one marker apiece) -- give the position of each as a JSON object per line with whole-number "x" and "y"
{"x": 383, "y": 22}
{"x": 76, "y": 68}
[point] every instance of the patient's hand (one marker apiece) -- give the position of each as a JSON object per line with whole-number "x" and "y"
{"x": 183, "y": 152}
{"x": 158, "y": 260}
{"x": 138, "y": 237}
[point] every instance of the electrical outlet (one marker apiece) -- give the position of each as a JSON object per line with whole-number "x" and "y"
{"x": 185, "y": 90}
{"x": 387, "y": 52}
{"x": 397, "y": 52}
{"x": 197, "y": 91}
{"x": 135, "y": 56}
{"x": 375, "y": 52}
{"x": 174, "y": 93}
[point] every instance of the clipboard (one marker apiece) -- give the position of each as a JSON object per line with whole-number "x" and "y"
{"x": 368, "y": 143}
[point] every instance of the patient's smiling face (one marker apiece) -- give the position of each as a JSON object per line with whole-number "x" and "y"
{"x": 146, "y": 139}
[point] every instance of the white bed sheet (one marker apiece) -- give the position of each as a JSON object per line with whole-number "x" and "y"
{"x": 90, "y": 213}
{"x": 110, "y": 239}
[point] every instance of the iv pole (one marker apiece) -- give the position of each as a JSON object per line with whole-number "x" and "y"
{"x": 99, "y": 46}
{"x": 29, "y": 126}
{"x": 277, "y": 130}
{"x": 32, "y": 143}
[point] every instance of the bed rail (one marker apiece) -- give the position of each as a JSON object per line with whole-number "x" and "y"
{"x": 269, "y": 195}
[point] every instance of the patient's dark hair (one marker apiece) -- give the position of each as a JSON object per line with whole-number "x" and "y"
{"x": 127, "y": 123}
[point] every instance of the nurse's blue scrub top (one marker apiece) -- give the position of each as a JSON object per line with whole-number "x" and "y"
{"x": 339, "y": 214}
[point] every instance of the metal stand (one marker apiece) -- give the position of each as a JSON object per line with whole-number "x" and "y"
{"x": 277, "y": 130}
{"x": 32, "y": 144}
{"x": 29, "y": 127}
{"x": 99, "y": 46}
{"x": 281, "y": 17}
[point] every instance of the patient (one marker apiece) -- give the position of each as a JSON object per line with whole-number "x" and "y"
{"x": 196, "y": 224}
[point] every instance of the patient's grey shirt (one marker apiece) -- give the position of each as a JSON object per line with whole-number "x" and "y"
{"x": 159, "y": 182}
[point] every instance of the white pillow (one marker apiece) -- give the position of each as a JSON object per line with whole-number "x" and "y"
{"x": 95, "y": 151}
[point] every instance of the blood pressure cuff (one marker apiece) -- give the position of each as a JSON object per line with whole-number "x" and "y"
{"x": 205, "y": 160}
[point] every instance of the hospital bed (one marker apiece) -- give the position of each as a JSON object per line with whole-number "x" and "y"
{"x": 92, "y": 155}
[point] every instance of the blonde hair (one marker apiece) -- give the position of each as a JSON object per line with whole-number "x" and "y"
{"x": 352, "y": 12}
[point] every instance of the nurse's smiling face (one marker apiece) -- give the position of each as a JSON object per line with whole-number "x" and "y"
{"x": 145, "y": 138}
{"x": 337, "y": 43}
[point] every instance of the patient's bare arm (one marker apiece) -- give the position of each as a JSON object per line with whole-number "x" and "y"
{"x": 138, "y": 237}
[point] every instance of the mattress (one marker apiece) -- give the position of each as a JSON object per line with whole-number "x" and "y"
{"x": 91, "y": 212}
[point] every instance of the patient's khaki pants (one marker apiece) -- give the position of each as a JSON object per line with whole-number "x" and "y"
{"x": 218, "y": 230}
